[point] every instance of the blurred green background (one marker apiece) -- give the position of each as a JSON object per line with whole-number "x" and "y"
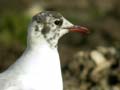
{"x": 89, "y": 62}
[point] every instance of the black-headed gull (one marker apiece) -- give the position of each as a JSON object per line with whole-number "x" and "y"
{"x": 39, "y": 66}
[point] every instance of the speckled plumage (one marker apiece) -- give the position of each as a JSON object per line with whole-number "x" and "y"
{"x": 50, "y": 30}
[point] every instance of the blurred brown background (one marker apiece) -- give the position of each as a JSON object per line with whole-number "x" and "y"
{"x": 89, "y": 62}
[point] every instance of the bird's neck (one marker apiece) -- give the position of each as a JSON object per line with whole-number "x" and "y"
{"x": 37, "y": 58}
{"x": 42, "y": 42}
{"x": 41, "y": 66}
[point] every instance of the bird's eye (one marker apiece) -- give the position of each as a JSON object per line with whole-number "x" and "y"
{"x": 58, "y": 22}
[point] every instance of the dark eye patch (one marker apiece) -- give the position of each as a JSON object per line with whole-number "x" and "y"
{"x": 36, "y": 28}
{"x": 58, "y": 22}
{"x": 45, "y": 30}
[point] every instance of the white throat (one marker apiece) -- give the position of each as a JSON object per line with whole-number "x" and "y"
{"x": 39, "y": 68}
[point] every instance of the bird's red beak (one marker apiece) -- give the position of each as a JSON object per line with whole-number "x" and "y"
{"x": 78, "y": 29}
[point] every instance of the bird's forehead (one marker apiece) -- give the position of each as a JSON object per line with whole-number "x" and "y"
{"x": 43, "y": 16}
{"x": 50, "y": 14}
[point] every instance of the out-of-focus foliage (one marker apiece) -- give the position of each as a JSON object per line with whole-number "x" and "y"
{"x": 13, "y": 28}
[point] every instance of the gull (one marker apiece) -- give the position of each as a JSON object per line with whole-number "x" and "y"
{"x": 38, "y": 68}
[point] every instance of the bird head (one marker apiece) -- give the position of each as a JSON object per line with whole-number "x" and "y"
{"x": 48, "y": 27}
